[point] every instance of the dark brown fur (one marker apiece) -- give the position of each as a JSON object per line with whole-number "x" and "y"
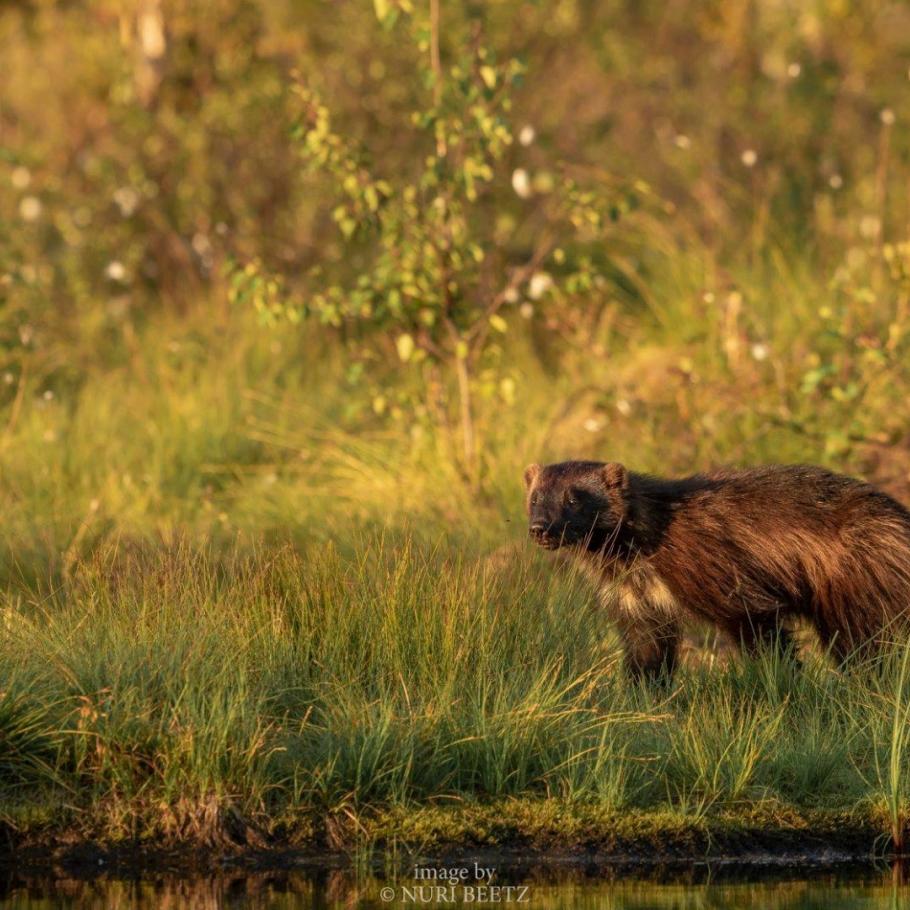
{"x": 746, "y": 550}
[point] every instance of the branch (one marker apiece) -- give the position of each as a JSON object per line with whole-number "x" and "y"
{"x": 478, "y": 334}
{"x": 424, "y": 341}
{"x": 436, "y": 66}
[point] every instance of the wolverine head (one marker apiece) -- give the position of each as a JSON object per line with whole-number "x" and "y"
{"x": 575, "y": 502}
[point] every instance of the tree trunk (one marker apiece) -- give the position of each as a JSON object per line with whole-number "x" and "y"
{"x": 469, "y": 446}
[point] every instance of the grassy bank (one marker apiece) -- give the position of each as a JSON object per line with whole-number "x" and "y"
{"x": 271, "y": 696}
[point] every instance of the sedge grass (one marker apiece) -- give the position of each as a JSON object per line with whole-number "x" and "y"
{"x": 164, "y": 691}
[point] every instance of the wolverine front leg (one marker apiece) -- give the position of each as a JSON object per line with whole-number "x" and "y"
{"x": 651, "y": 646}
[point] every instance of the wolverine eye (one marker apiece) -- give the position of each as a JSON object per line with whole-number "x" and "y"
{"x": 571, "y": 499}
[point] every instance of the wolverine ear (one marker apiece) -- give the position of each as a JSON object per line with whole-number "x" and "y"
{"x": 532, "y": 472}
{"x": 615, "y": 476}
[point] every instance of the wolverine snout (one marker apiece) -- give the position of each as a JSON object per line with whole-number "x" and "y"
{"x": 540, "y": 534}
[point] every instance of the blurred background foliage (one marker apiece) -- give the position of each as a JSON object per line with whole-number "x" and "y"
{"x": 750, "y": 303}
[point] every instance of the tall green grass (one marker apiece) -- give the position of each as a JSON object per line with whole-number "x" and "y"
{"x": 182, "y": 692}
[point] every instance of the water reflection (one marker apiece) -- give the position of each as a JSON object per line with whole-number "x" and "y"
{"x": 586, "y": 889}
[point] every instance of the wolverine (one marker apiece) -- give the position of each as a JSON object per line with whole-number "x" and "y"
{"x": 747, "y": 550}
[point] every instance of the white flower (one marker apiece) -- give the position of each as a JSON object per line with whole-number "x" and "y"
{"x": 510, "y": 295}
{"x": 21, "y": 177}
{"x": 527, "y": 135}
{"x": 682, "y": 141}
{"x": 521, "y": 183}
{"x": 540, "y": 283}
{"x": 760, "y": 351}
{"x": 749, "y": 157}
{"x": 151, "y": 33}
{"x": 526, "y": 310}
{"x": 870, "y": 226}
{"x": 592, "y": 424}
{"x": 201, "y": 244}
{"x": 30, "y": 208}
{"x": 9, "y": 378}
{"x": 887, "y": 116}
{"x": 115, "y": 270}
{"x": 202, "y": 247}
{"x": 835, "y": 181}
{"x": 48, "y": 395}
{"x": 624, "y": 407}
{"x": 127, "y": 200}
{"x": 793, "y": 70}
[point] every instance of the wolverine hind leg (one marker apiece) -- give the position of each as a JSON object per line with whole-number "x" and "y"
{"x": 651, "y": 646}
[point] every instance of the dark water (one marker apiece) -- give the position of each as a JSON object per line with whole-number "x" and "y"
{"x": 700, "y": 889}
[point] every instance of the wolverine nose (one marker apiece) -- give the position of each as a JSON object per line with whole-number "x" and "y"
{"x": 538, "y": 529}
